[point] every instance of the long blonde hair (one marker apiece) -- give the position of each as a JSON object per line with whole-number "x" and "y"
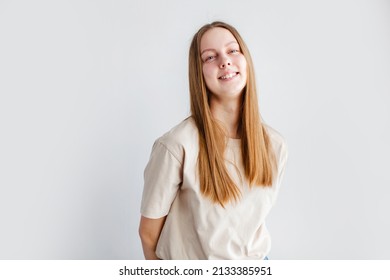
{"x": 258, "y": 156}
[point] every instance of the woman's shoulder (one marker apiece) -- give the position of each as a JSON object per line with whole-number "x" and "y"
{"x": 180, "y": 138}
{"x": 277, "y": 140}
{"x": 185, "y": 131}
{"x": 274, "y": 134}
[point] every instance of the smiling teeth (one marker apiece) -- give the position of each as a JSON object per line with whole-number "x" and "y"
{"x": 228, "y": 76}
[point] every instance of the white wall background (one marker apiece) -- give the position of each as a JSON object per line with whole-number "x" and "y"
{"x": 87, "y": 86}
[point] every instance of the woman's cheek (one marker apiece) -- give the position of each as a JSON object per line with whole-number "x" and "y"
{"x": 206, "y": 71}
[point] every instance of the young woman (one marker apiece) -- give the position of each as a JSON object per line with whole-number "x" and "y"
{"x": 212, "y": 180}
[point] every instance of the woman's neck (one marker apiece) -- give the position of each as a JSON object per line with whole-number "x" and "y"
{"x": 229, "y": 113}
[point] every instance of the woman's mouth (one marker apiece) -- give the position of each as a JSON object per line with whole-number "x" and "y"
{"x": 228, "y": 76}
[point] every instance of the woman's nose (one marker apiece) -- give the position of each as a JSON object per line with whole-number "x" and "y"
{"x": 225, "y": 61}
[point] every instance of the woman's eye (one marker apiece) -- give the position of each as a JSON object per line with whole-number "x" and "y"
{"x": 234, "y": 51}
{"x": 208, "y": 58}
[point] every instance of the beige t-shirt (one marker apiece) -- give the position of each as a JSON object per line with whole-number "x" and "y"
{"x": 195, "y": 227}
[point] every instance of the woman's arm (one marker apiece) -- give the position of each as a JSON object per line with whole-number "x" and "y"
{"x": 149, "y": 231}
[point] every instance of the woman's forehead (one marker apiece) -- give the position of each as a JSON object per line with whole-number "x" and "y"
{"x": 215, "y": 38}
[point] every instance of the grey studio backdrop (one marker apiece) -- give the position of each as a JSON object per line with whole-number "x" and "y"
{"x": 87, "y": 86}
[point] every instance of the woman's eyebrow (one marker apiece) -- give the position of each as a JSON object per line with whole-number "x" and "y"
{"x": 231, "y": 42}
{"x": 205, "y": 50}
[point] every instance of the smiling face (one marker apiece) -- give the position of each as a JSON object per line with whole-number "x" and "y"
{"x": 224, "y": 66}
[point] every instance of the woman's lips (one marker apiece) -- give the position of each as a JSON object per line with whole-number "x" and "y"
{"x": 228, "y": 76}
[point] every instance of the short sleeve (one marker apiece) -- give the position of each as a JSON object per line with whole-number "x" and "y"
{"x": 281, "y": 153}
{"x": 162, "y": 180}
{"x": 283, "y": 156}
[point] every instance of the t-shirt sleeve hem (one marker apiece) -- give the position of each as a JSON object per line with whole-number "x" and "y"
{"x": 153, "y": 215}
